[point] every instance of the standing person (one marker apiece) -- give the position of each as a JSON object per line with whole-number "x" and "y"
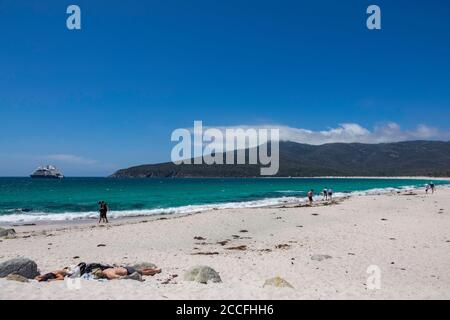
{"x": 101, "y": 211}
{"x": 432, "y": 186}
{"x": 330, "y": 194}
{"x": 105, "y": 212}
{"x": 325, "y": 194}
{"x": 427, "y": 187}
{"x": 310, "y": 196}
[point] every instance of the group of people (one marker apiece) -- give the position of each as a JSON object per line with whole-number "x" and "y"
{"x": 430, "y": 187}
{"x": 103, "y": 210}
{"x": 100, "y": 271}
{"x": 327, "y": 195}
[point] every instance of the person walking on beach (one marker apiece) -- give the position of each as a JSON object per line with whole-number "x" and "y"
{"x": 103, "y": 212}
{"x": 100, "y": 211}
{"x": 330, "y": 194}
{"x": 310, "y": 196}
{"x": 427, "y": 188}
{"x": 325, "y": 194}
{"x": 432, "y": 186}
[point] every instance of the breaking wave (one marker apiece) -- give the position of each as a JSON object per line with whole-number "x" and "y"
{"x": 30, "y": 217}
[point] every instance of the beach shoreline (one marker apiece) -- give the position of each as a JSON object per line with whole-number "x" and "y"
{"x": 201, "y": 208}
{"x": 404, "y": 233}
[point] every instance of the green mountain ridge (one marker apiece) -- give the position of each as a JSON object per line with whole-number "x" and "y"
{"x": 409, "y": 158}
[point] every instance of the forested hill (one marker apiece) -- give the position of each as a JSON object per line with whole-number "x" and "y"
{"x": 411, "y": 158}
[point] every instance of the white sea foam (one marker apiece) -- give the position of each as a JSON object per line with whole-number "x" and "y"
{"x": 70, "y": 216}
{"x": 290, "y": 191}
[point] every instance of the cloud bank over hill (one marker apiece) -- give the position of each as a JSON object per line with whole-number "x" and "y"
{"x": 351, "y": 132}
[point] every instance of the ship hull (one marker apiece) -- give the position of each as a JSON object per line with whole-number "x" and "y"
{"x": 46, "y": 177}
{"x": 47, "y": 172}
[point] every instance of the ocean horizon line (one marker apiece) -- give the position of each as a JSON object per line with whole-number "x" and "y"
{"x": 255, "y": 177}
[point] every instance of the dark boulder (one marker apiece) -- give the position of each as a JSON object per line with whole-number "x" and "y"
{"x": 20, "y": 266}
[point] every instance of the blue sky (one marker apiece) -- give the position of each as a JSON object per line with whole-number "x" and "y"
{"x": 109, "y": 95}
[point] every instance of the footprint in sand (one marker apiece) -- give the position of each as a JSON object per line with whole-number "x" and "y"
{"x": 320, "y": 257}
{"x": 204, "y": 253}
{"x": 238, "y": 248}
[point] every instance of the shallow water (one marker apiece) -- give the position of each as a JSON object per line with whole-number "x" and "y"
{"x": 25, "y": 199}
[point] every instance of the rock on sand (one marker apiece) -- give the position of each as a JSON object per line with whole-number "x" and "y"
{"x": 202, "y": 274}
{"x": 278, "y": 282}
{"x": 16, "y": 277}
{"x": 320, "y": 257}
{"x": 144, "y": 265}
{"x": 21, "y": 266}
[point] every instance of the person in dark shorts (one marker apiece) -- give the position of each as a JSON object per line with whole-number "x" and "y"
{"x": 100, "y": 210}
{"x": 432, "y": 187}
{"x": 103, "y": 212}
{"x": 310, "y": 196}
{"x": 121, "y": 272}
{"x": 325, "y": 194}
{"x": 330, "y": 194}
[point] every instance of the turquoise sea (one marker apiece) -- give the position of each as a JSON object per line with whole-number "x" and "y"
{"x": 28, "y": 200}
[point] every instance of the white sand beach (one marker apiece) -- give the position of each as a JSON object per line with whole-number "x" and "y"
{"x": 407, "y": 235}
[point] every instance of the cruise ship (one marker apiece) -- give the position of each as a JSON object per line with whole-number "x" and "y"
{"x": 47, "y": 172}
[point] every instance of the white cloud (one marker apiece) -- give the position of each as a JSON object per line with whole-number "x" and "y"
{"x": 351, "y": 132}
